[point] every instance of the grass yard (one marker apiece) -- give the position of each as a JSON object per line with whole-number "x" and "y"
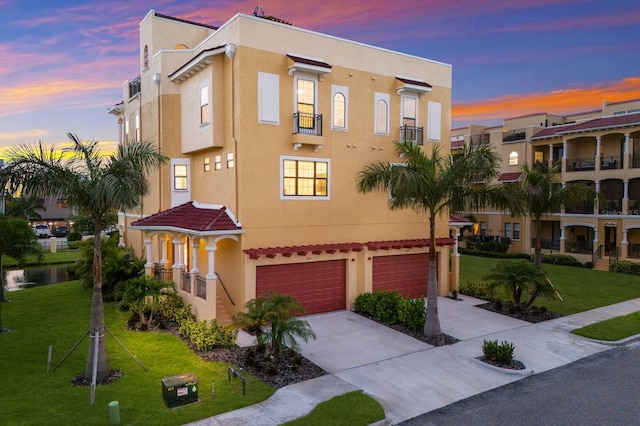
{"x": 49, "y": 258}
{"x": 581, "y": 288}
{"x": 612, "y": 329}
{"x": 59, "y": 315}
{"x": 350, "y": 409}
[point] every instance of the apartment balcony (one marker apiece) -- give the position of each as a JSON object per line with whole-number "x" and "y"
{"x": 480, "y": 140}
{"x": 412, "y": 133}
{"x": 635, "y": 162}
{"x": 135, "y": 87}
{"x": 514, "y": 135}
{"x": 581, "y": 164}
{"x": 546, "y": 244}
{"x": 307, "y": 130}
{"x": 581, "y": 247}
{"x": 610, "y": 162}
{"x": 586, "y": 208}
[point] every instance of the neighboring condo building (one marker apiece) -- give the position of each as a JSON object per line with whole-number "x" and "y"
{"x": 599, "y": 148}
{"x": 266, "y": 126}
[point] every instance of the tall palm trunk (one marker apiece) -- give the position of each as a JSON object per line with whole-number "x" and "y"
{"x": 538, "y": 246}
{"x": 97, "y": 318}
{"x": 432, "y": 322}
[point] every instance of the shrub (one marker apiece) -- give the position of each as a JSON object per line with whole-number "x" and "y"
{"x": 365, "y": 304}
{"x": 172, "y": 308}
{"x": 588, "y": 265}
{"x": 478, "y": 289}
{"x": 493, "y": 254}
{"x": 387, "y": 306}
{"x": 501, "y": 353}
{"x": 412, "y": 314}
{"x": 206, "y": 338}
{"x": 560, "y": 259}
{"x": 625, "y": 267}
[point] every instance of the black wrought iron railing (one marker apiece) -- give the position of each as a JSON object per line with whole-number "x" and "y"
{"x": 412, "y": 133}
{"x": 162, "y": 274}
{"x": 309, "y": 124}
{"x": 186, "y": 281}
{"x": 201, "y": 287}
{"x": 596, "y": 255}
{"x": 610, "y": 162}
{"x": 135, "y": 87}
{"x": 614, "y": 254}
{"x": 581, "y": 164}
{"x": 514, "y": 135}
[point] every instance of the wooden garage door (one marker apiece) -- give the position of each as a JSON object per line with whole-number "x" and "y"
{"x": 407, "y": 273}
{"x": 318, "y": 286}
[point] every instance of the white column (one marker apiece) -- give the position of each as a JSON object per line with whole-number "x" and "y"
{"x": 564, "y": 150}
{"x": 149, "y": 263}
{"x": 551, "y": 153}
{"x": 195, "y": 245}
{"x": 163, "y": 250}
{"x": 626, "y": 143}
{"x": 598, "y": 145}
{"x": 625, "y": 189}
{"x": 211, "y": 273}
{"x": 177, "y": 253}
{"x": 595, "y": 238}
{"x": 624, "y": 237}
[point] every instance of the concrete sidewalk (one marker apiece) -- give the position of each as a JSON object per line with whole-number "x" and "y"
{"x": 409, "y": 377}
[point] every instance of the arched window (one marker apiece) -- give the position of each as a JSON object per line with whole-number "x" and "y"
{"x": 513, "y": 159}
{"x": 339, "y": 110}
{"x": 146, "y": 57}
{"x": 381, "y": 116}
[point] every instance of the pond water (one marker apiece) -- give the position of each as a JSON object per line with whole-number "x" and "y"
{"x": 19, "y": 279}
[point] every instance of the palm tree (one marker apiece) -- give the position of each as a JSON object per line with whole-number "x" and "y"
{"x": 518, "y": 277}
{"x": 539, "y": 192}
{"x": 433, "y": 186}
{"x": 94, "y": 185}
{"x": 26, "y": 207}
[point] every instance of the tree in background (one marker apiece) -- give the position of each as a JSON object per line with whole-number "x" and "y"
{"x": 95, "y": 186}
{"x": 433, "y": 185}
{"x": 17, "y": 239}
{"x": 25, "y": 207}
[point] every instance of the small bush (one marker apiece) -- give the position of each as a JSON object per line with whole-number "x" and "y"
{"x": 206, "y": 338}
{"x": 387, "y": 306}
{"x": 412, "y": 313}
{"x": 478, "y": 289}
{"x": 588, "y": 265}
{"x": 625, "y": 267}
{"x": 501, "y": 353}
{"x": 493, "y": 254}
{"x": 365, "y": 304}
{"x": 560, "y": 259}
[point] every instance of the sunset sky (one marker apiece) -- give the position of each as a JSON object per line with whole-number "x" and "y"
{"x": 63, "y": 63}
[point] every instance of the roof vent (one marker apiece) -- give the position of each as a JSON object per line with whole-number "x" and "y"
{"x": 258, "y": 11}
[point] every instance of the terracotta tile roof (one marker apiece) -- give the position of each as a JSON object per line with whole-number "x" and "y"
{"x": 192, "y": 216}
{"x": 550, "y": 131}
{"x": 509, "y": 177}
{"x": 457, "y": 144}
{"x": 424, "y": 242}
{"x": 413, "y": 82}
{"x": 594, "y": 124}
{"x": 456, "y": 219}
{"x": 308, "y": 61}
{"x": 271, "y": 252}
{"x": 160, "y": 15}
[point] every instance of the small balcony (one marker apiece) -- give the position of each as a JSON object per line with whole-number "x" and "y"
{"x": 135, "y": 87}
{"x": 411, "y": 133}
{"x": 480, "y": 140}
{"x": 307, "y": 130}
{"x": 514, "y": 135}
{"x": 610, "y": 162}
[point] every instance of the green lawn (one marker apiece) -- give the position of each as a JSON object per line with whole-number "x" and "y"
{"x": 612, "y": 329}
{"x": 581, "y": 288}
{"x": 350, "y": 409}
{"x": 60, "y": 257}
{"x": 58, "y": 315}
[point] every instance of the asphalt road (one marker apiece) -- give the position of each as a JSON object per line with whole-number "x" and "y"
{"x": 603, "y": 389}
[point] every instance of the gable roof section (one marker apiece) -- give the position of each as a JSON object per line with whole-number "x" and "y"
{"x": 192, "y": 217}
{"x": 509, "y": 177}
{"x": 199, "y": 62}
{"x": 411, "y": 85}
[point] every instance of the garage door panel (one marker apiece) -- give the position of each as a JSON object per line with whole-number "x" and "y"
{"x": 408, "y": 274}
{"x": 318, "y": 286}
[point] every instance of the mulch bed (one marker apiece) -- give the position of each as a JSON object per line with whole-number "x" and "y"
{"x": 515, "y": 364}
{"x": 533, "y": 314}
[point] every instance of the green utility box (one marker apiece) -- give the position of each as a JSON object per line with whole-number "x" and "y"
{"x": 180, "y": 390}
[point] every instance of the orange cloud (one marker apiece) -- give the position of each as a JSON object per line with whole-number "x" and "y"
{"x": 556, "y": 102}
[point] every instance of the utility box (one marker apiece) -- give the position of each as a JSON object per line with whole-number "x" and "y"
{"x": 180, "y": 390}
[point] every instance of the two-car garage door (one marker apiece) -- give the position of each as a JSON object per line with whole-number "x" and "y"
{"x": 318, "y": 286}
{"x": 407, "y": 273}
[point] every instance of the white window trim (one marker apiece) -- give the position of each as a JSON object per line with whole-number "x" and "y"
{"x": 434, "y": 121}
{"x": 268, "y": 98}
{"x": 513, "y": 158}
{"x": 305, "y": 197}
{"x": 305, "y": 76}
{"x": 204, "y": 84}
{"x": 387, "y": 99}
{"x": 344, "y": 90}
{"x": 180, "y": 162}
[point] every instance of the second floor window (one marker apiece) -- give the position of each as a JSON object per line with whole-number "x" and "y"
{"x": 516, "y": 231}
{"x": 382, "y": 114}
{"x": 513, "y": 159}
{"x": 204, "y": 105}
{"x": 306, "y": 178}
{"x": 306, "y": 102}
{"x": 338, "y": 111}
{"x": 507, "y": 230}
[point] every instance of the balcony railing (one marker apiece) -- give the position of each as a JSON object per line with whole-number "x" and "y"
{"x": 581, "y": 164}
{"x": 578, "y": 247}
{"x": 135, "y": 87}
{"x": 480, "y": 140}
{"x": 635, "y": 162}
{"x": 514, "y": 135}
{"x": 411, "y": 133}
{"x": 586, "y": 208}
{"x": 201, "y": 287}
{"x": 162, "y": 274}
{"x": 546, "y": 244}
{"x": 610, "y": 162}
{"x": 186, "y": 281}
{"x": 309, "y": 124}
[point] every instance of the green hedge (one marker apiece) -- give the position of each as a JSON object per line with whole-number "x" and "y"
{"x": 478, "y": 289}
{"x": 389, "y": 307}
{"x": 625, "y": 267}
{"x": 493, "y": 254}
{"x": 560, "y": 259}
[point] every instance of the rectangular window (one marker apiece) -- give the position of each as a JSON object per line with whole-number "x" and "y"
{"x": 137, "y": 126}
{"x": 126, "y": 130}
{"x": 483, "y": 229}
{"x": 204, "y": 105}
{"x": 230, "y": 161}
{"x": 180, "y": 177}
{"x": 304, "y": 178}
{"x": 306, "y": 102}
{"x": 516, "y": 231}
{"x": 63, "y": 203}
{"x": 507, "y": 230}
{"x": 207, "y": 164}
{"x": 409, "y": 111}
{"x": 435, "y": 121}
{"x": 218, "y": 162}
{"x": 538, "y": 157}
{"x": 268, "y": 98}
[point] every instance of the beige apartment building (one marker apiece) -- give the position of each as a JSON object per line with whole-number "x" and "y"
{"x": 266, "y": 126}
{"x": 600, "y": 148}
